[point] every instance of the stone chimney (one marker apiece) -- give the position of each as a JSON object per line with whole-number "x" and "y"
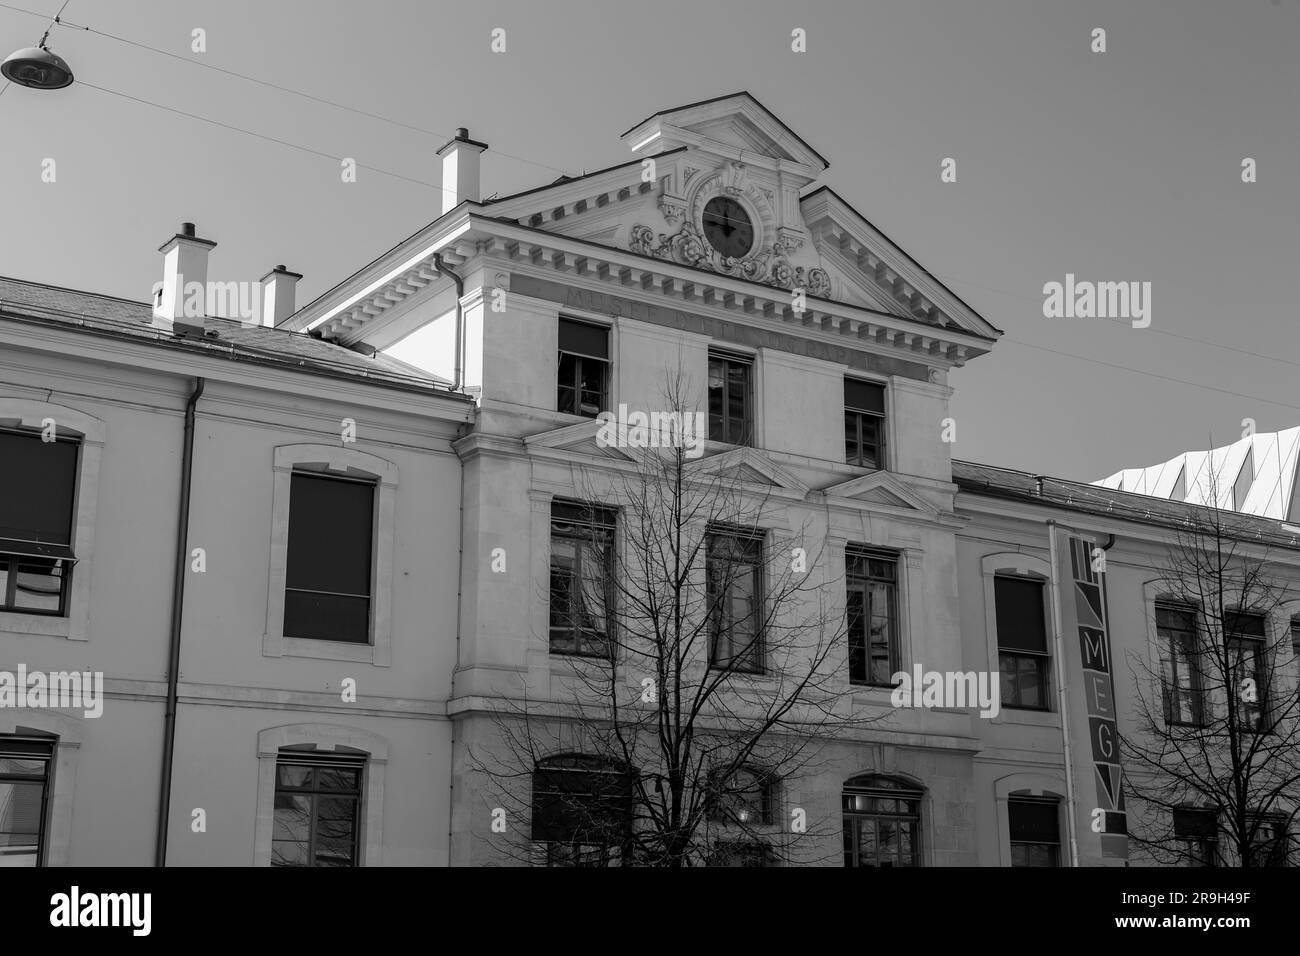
{"x": 278, "y": 295}
{"x": 460, "y": 159}
{"x": 185, "y": 262}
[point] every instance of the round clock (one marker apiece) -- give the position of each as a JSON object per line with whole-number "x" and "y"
{"x": 728, "y": 227}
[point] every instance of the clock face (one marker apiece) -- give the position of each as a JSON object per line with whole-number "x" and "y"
{"x": 727, "y": 227}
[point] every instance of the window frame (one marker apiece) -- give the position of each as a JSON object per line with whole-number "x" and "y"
{"x": 749, "y": 422}
{"x": 333, "y": 461}
{"x": 1044, "y": 659}
{"x": 21, "y": 413}
{"x": 858, "y": 416}
{"x": 323, "y": 739}
{"x": 44, "y": 749}
{"x": 317, "y": 761}
{"x": 369, "y": 596}
{"x": 603, "y": 524}
{"x": 1201, "y": 843}
{"x": 619, "y": 787}
{"x": 580, "y": 360}
{"x": 1024, "y": 800}
{"x": 764, "y": 789}
{"x": 853, "y": 553}
{"x": 1258, "y": 647}
{"x": 874, "y": 786}
{"x": 1166, "y": 646}
{"x": 716, "y": 604}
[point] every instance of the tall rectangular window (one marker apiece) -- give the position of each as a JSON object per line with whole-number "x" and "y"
{"x": 38, "y": 481}
{"x": 328, "y": 577}
{"x": 864, "y": 424}
{"x": 1197, "y": 836}
{"x": 1035, "y": 831}
{"x": 1248, "y": 666}
{"x": 1179, "y": 665}
{"x": 1269, "y": 844}
{"x": 583, "y": 377}
{"x": 731, "y": 399}
{"x": 872, "y": 583}
{"x": 582, "y": 571}
{"x": 734, "y": 591}
{"x": 1022, "y": 642}
{"x": 582, "y": 810}
{"x": 24, "y": 794}
{"x": 317, "y": 810}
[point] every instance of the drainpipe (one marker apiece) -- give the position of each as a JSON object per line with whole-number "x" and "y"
{"x": 178, "y": 604}
{"x": 460, "y": 318}
{"x": 457, "y": 376}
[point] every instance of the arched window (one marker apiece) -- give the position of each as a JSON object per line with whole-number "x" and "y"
{"x": 742, "y": 798}
{"x": 582, "y": 810}
{"x": 882, "y": 822}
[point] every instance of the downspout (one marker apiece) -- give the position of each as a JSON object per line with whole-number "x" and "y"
{"x": 178, "y": 604}
{"x": 457, "y": 377}
{"x": 460, "y": 319}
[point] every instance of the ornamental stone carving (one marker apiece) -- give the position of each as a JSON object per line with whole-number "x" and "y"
{"x": 769, "y": 265}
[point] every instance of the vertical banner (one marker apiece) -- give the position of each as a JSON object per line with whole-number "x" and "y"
{"x": 1080, "y": 579}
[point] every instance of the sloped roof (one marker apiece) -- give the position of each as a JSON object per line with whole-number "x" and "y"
{"x": 107, "y": 315}
{"x": 1090, "y": 498}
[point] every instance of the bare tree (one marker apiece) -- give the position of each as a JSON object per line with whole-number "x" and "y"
{"x": 703, "y": 662}
{"x": 1213, "y": 767}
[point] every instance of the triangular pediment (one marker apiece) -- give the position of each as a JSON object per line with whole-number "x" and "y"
{"x": 737, "y": 120}
{"x": 747, "y": 466}
{"x": 586, "y": 440}
{"x": 881, "y": 488}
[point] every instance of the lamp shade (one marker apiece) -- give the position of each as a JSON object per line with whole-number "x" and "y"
{"x": 37, "y": 68}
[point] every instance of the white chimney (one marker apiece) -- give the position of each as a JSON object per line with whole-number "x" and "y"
{"x": 277, "y": 295}
{"x": 185, "y": 262}
{"x": 460, "y": 170}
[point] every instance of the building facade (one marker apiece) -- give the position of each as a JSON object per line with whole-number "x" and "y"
{"x": 394, "y": 489}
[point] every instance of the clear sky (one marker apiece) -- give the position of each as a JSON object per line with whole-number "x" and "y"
{"x": 1115, "y": 166}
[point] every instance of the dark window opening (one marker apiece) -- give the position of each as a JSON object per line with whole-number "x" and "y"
{"x": 1197, "y": 834}
{"x": 1248, "y": 667}
{"x": 882, "y": 822}
{"x": 731, "y": 414}
{"x": 38, "y": 481}
{"x": 1035, "y": 826}
{"x": 864, "y": 424}
{"x": 734, "y": 592}
{"x": 582, "y": 579}
{"x": 328, "y": 575}
{"x": 1180, "y": 665}
{"x": 582, "y": 379}
{"x": 1022, "y": 642}
{"x": 872, "y": 584}
{"x": 317, "y": 810}
{"x": 24, "y": 799}
{"x": 582, "y": 810}
{"x": 745, "y": 798}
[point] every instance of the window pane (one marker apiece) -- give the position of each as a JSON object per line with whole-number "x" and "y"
{"x": 292, "y": 819}
{"x": 330, "y": 531}
{"x": 566, "y": 399}
{"x": 327, "y": 617}
{"x": 1021, "y": 620}
{"x": 290, "y": 775}
{"x": 40, "y": 583}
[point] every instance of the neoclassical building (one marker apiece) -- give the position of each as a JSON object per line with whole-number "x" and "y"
{"x": 382, "y": 661}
